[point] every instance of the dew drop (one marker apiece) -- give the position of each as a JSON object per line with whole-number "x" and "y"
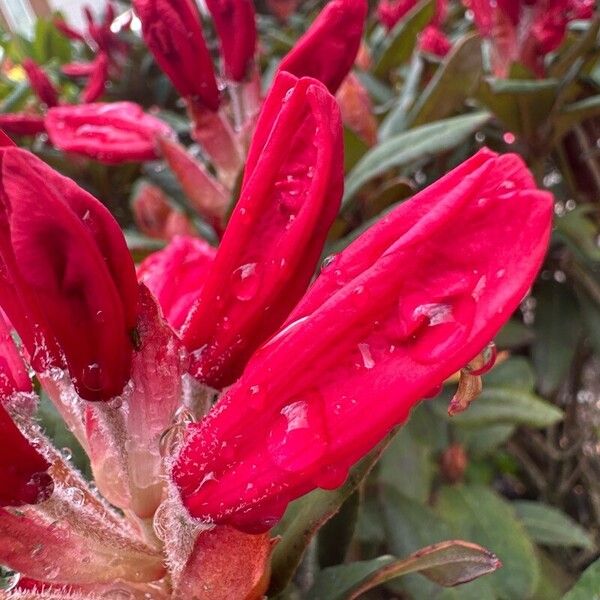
{"x": 67, "y": 453}
{"x": 327, "y": 261}
{"x": 298, "y": 439}
{"x": 91, "y": 377}
{"x": 436, "y": 313}
{"x": 75, "y": 496}
{"x": 367, "y": 357}
{"x": 245, "y": 282}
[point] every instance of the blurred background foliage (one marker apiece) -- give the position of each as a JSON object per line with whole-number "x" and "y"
{"x": 519, "y": 471}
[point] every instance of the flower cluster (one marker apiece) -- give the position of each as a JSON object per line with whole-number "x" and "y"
{"x": 213, "y": 386}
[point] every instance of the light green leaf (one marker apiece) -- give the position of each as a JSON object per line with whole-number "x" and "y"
{"x": 549, "y": 526}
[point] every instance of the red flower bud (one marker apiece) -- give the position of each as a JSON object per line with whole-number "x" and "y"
{"x": 176, "y": 274}
{"x": 109, "y": 132}
{"x": 328, "y": 49}
{"x": 173, "y": 33}
{"x": 235, "y": 24}
{"x": 68, "y": 282}
{"x": 290, "y": 195}
{"x": 67, "y": 30}
{"x": 98, "y": 79}
{"x": 22, "y": 123}
{"x": 525, "y": 31}
{"x": 40, "y": 83}
{"x": 434, "y": 41}
{"x": 407, "y": 304}
{"x": 23, "y": 476}
{"x": 78, "y": 69}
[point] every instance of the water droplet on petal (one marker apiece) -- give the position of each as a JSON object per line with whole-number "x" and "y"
{"x": 299, "y": 439}
{"x": 367, "y": 357}
{"x": 91, "y": 377}
{"x": 436, "y": 313}
{"x": 245, "y": 282}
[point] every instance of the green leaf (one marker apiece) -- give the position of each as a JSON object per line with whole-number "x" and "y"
{"x": 575, "y": 50}
{"x": 476, "y": 513}
{"x": 522, "y": 105}
{"x": 399, "y": 44}
{"x": 575, "y": 113}
{"x": 579, "y": 231}
{"x": 549, "y": 526}
{"x": 447, "y": 563}
{"x": 336, "y": 535}
{"x": 514, "y": 335}
{"x": 408, "y": 465}
{"x": 557, "y": 330}
{"x": 508, "y": 406}
{"x": 588, "y": 586}
{"x": 410, "y": 525}
{"x": 307, "y": 515}
{"x": 404, "y": 149}
{"x": 454, "y": 81}
{"x": 514, "y": 373}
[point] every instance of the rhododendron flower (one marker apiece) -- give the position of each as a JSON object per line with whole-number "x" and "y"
{"x": 408, "y": 303}
{"x": 434, "y": 41}
{"x": 390, "y": 12}
{"x": 175, "y": 276}
{"x": 290, "y": 195}
{"x": 235, "y": 24}
{"x": 68, "y": 283}
{"x": 40, "y": 83}
{"x": 328, "y": 49}
{"x": 22, "y": 123}
{"x": 173, "y": 33}
{"x": 525, "y": 32}
{"x": 109, "y": 132}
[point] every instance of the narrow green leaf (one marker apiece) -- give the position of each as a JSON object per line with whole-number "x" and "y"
{"x": 454, "y": 81}
{"x": 404, "y": 149}
{"x": 399, "y": 44}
